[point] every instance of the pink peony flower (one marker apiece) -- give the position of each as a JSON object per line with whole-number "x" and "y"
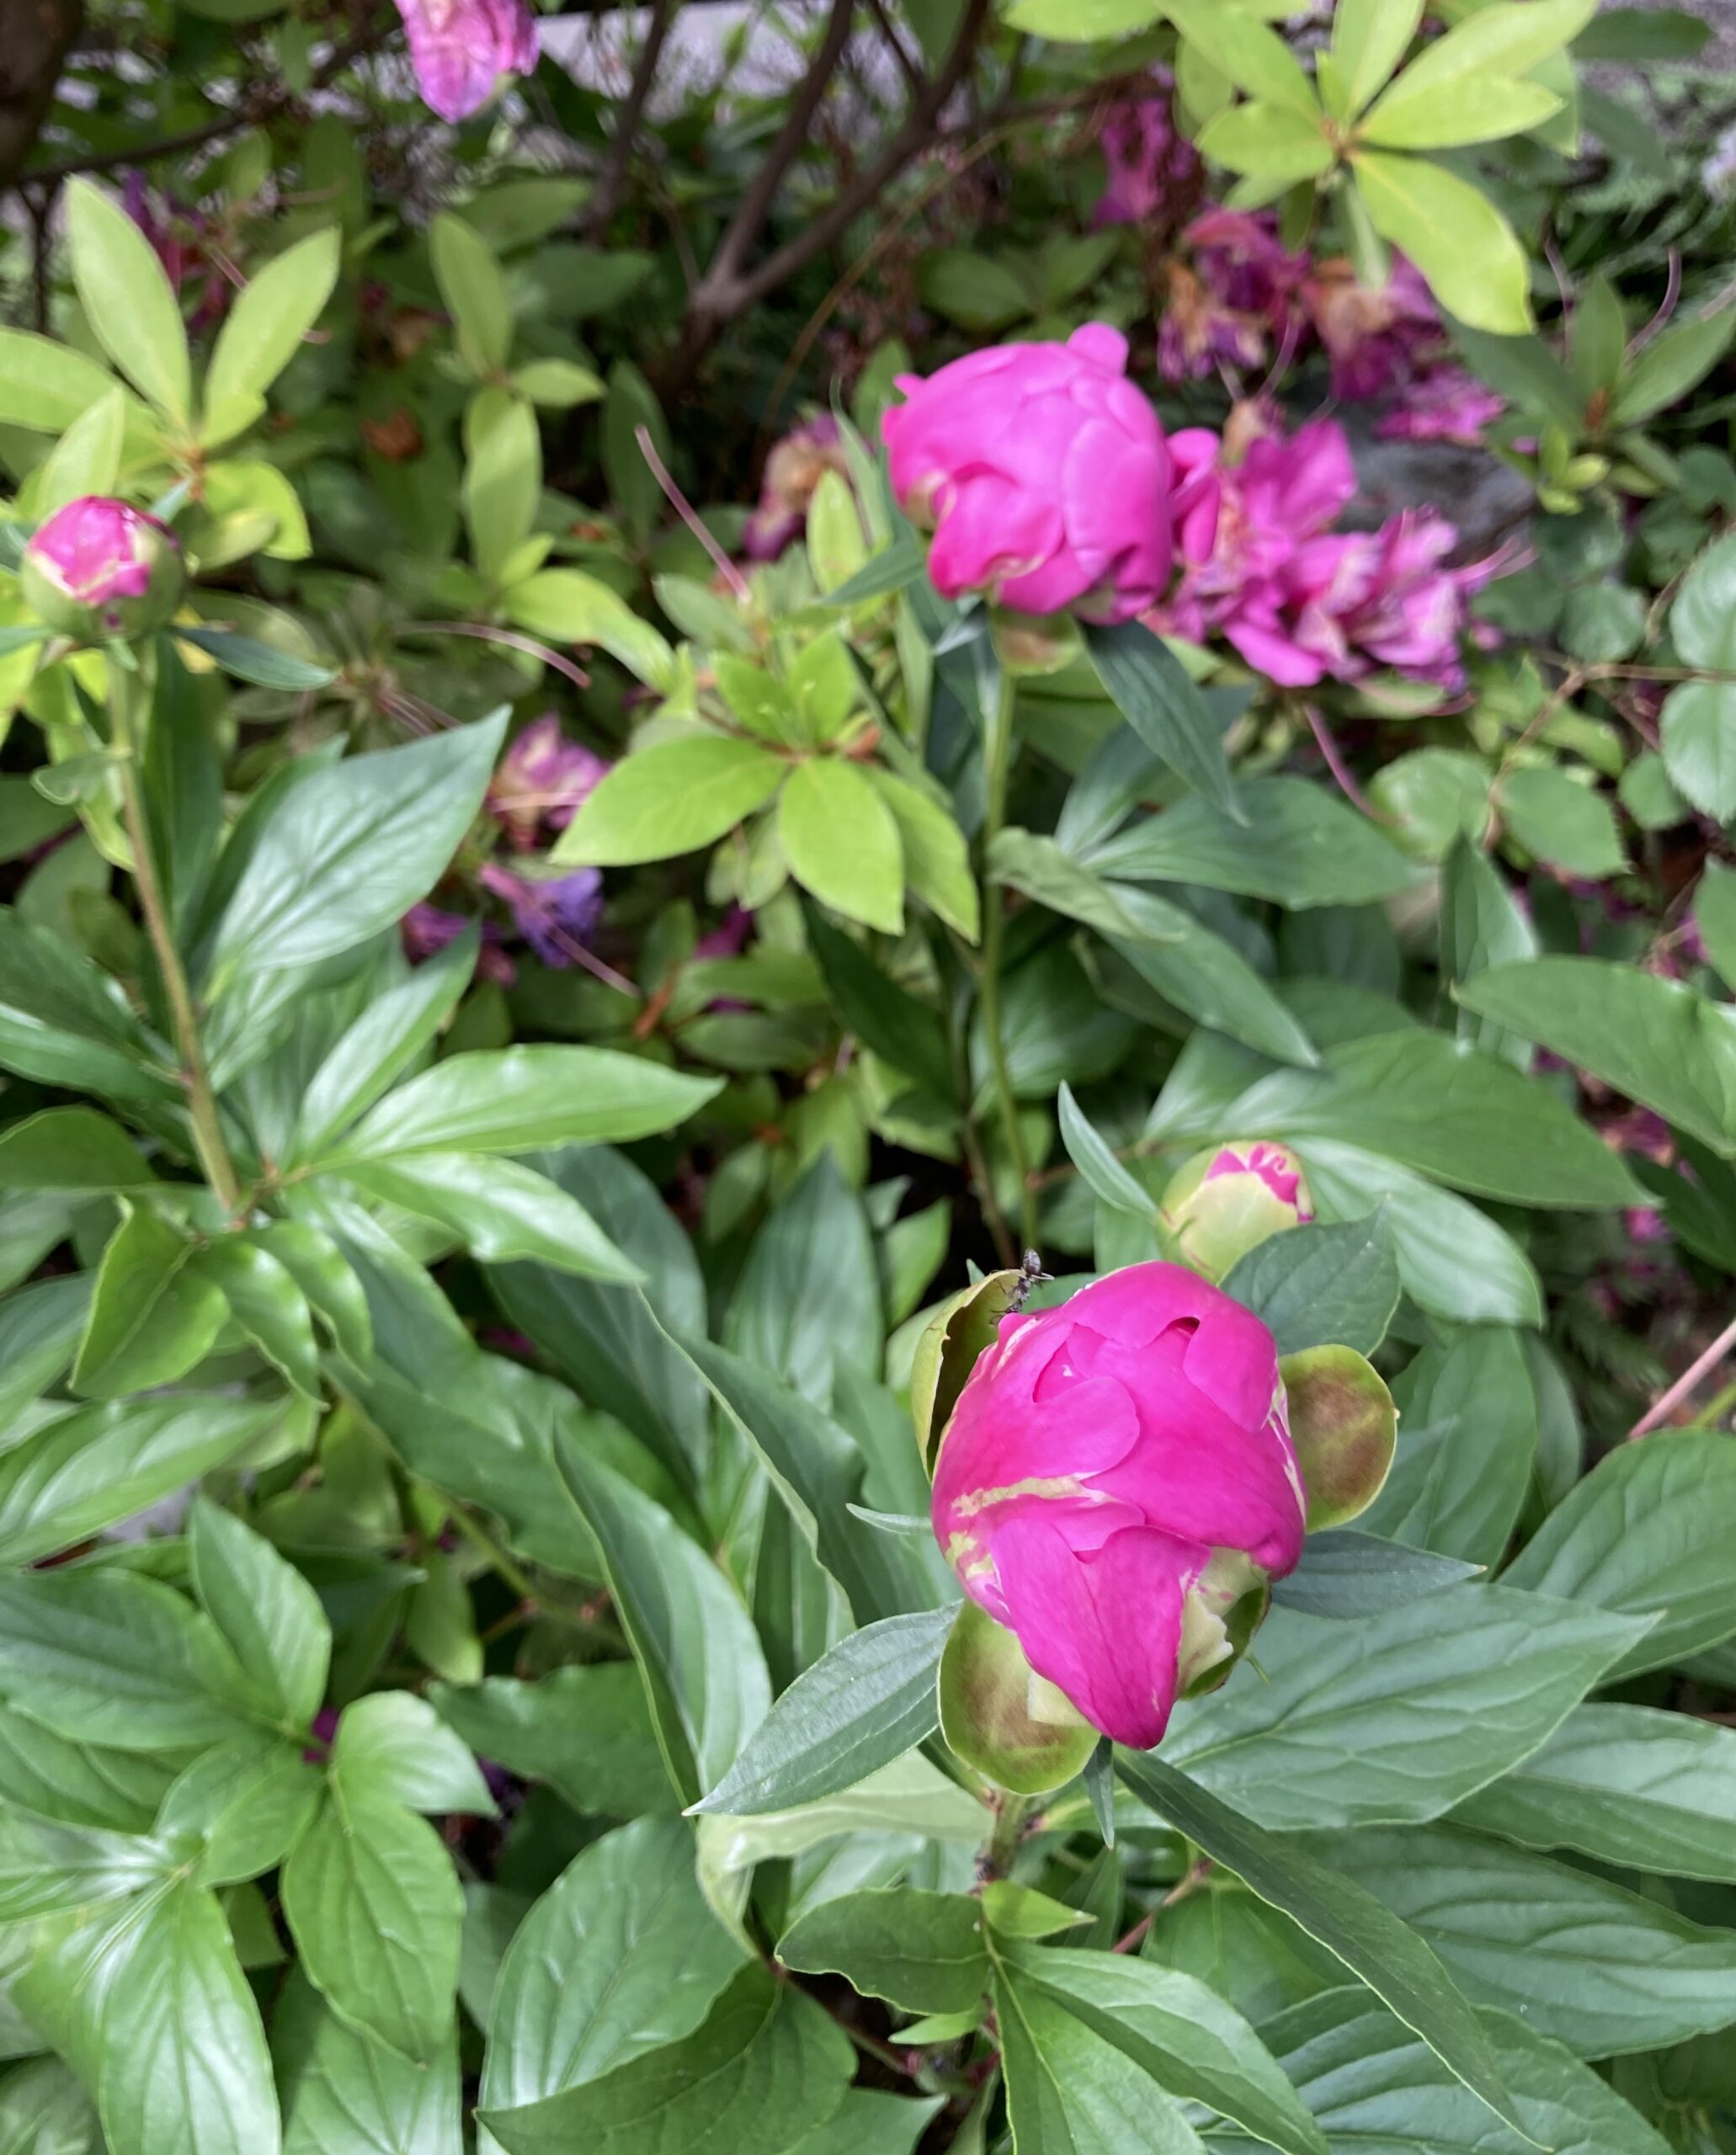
{"x": 98, "y": 568}
{"x": 794, "y": 467}
{"x": 1043, "y": 474}
{"x": 1443, "y": 404}
{"x": 460, "y": 50}
{"x": 1149, "y": 163}
{"x": 541, "y": 779}
{"x": 1116, "y": 1478}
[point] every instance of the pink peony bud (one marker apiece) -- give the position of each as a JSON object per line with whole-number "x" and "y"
{"x": 98, "y": 570}
{"x": 1043, "y": 474}
{"x": 460, "y": 48}
{"x": 1117, "y": 1485}
{"x": 1226, "y": 1201}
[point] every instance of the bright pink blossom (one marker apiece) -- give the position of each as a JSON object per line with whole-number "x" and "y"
{"x": 541, "y": 779}
{"x": 1263, "y": 567}
{"x": 796, "y": 466}
{"x": 1271, "y": 1164}
{"x": 1043, "y": 473}
{"x": 1117, "y": 1475}
{"x": 1445, "y": 404}
{"x": 1150, "y": 165}
{"x": 460, "y": 50}
{"x": 98, "y": 551}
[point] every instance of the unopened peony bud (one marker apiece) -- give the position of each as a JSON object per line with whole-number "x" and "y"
{"x": 1116, "y": 1486}
{"x": 1228, "y": 1200}
{"x": 98, "y": 571}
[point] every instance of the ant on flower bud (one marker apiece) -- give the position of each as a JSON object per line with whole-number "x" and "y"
{"x": 1030, "y": 1272}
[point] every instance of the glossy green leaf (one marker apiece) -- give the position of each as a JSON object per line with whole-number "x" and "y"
{"x": 704, "y": 1673}
{"x": 265, "y": 1302}
{"x": 266, "y": 1611}
{"x": 393, "y": 1744}
{"x": 1696, "y": 732}
{"x": 1626, "y": 1786}
{"x": 1393, "y": 1718}
{"x": 1346, "y": 1917}
{"x": 499, "y": 1210}
{"x": 862, "y": 1705}
{"x": 764, "y": 2068}
{"x": 517, "y": 1099}
{"x": 1596, "y": 1967}
{"x": 1068, "y": 2089}
{"x": 344, "y": 2093}
{"x": 1345, "y": 1573}
{"x": 346, "y": 852}
{"x": 585, "y": 1730}
{"x": 1647, "y": 1531}
{"x": 64, "y": 1022}
{"x": 923, "y": 1951}
{"x": 153, "y": 1315}
{"x": 619, "y": 1957}
{"x": 369, "y": 1894}
{"x": 1110, "y": 1182}
{"x": 1315, "y": 1285}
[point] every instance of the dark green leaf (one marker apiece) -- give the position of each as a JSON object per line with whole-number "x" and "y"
{"x": 1468, "y": 1436}
{"x": 922, "y": 1951}
{"x": 586, "y": 1730}
{"x": 1148, "y": 686}
{"x": 1315, "y": 1285}
{"x": 886, "y": 1017}
{"x": 1068, "y": 2089}
{"x": 1296, "y": 845}
{"x": 1649, "y": 1530}
{"x": 1388, "y": 1955}
{"x": 1345, "y": 1574}
{"x": 261, "y": 664}
{"x": 71, "y": 1148}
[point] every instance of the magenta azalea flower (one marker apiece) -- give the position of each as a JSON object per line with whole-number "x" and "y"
{"x": 1116, "y": 1478}
{"x": 797, "y": 464}
{"x": 1445, "y": 404}
{"x": 1232, "y": 299}
{"x": 1149, "y": 163}
{"x": 460, "y": 48}
{"x": 555, "y": 915}
{"x": 1043, "y": 474}
{"x": 542, "y": 779}
{"x": 1377, "y": 337}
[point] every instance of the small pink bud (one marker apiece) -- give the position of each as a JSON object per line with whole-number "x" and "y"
{"x": 98, "y": 570}
{"x": 1226, "y": 1201}
{"x": 1116, "y": 1486}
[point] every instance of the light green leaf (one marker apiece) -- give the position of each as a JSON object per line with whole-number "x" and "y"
{"x": 369, "y": 1894}
{"x": 859, "y": 1707}
{"x": 515, "y": 1099}
{"x": 248, "y": 1801}
{"x": 502, "y": 476}
{"x": 842, "y": 842}
{"x": 268, "y": 1305}
{"x": 1511, "y": 37}
{"x": 937, "y": 861}
{"x": 1254, "y": 58}
{"x": 343, "y": 2093}
{"x": 1471, "y": 108}
{"x": 393, "y": 1744}
{"x": 1267, "y": 141}
{"x": 475, "y": 292}
{"x": 1462, "y": 244}
{"x": 499, "y": 1210}
{"x": 669, "y": 799}
{"x": 266, "y": 1611}
{"x": 263, "y": 329}
{"x": 130, "y": 301}
{"x": 45, "y": 386}
{"x": 621, "y": 1956}
{"x": 149, "y": 2006}
{"x": 567, "y": 606}
{"x": 1562, "y": 823}
{"x": 153, "y": 1315}
{"x": 1369, "y": 39}
{"x": 87, "y": 458}
{"x": 1393, "y": 1718}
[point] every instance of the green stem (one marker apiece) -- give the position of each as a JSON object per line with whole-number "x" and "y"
{"x": 1009, "y": 1817}
{"x": 208, "y": 1140}
{"x": 999, "y": 758}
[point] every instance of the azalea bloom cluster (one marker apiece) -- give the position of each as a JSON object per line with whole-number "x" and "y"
{"x": 1153, "y": 169}
{"x": 1236, "y": 297}
{"x": 1262, "y": 565}
{"x": 460, "y": 50}
{"x": 537, "y": 785}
